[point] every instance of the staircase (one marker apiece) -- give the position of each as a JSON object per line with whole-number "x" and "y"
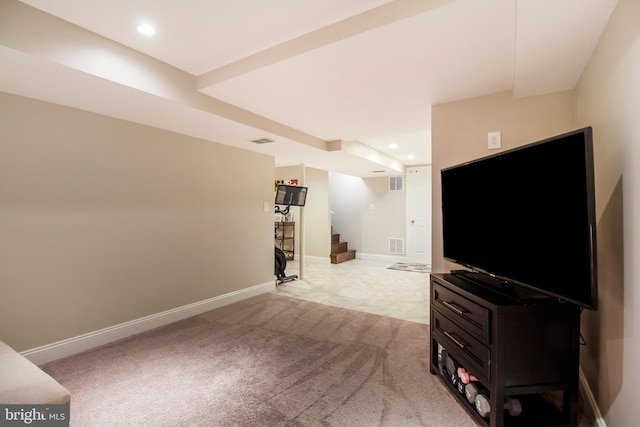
{"x": 339, "y": 251}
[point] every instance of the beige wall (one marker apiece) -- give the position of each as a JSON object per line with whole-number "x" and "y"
{"x": 347, "y": 204}
{"x": 387, "y": 219}
{"x": 104, "y": 221}
{"x": 367, "y": 230}
{"x": 317, "y": 214}
{"x": 609, "y": 99}
{"x": 460, "y": 134}
{"x": 606, "y": 98}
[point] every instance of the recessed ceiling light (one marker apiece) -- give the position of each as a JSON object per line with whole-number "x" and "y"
{"x": 411, "y": 156}
{"x": 394, "y": 145}
{"x": 146, "y": 29}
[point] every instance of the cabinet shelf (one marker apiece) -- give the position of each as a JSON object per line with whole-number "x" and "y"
{"x": 539, "y": 411}
{"x": 284, "y": 237}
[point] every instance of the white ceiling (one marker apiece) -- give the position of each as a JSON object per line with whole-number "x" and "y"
{"x": 300, "y": 72}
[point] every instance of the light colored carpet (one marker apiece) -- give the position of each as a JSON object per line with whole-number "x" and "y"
{"x": 362, "y": 285}
{"x": 271, "y": 360}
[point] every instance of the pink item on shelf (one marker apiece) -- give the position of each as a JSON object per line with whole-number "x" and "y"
{"x": 465, "y": 377}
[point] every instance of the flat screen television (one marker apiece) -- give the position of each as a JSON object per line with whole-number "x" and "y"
{"x": 291, "y": 195}
{"x": 526, "y": 217}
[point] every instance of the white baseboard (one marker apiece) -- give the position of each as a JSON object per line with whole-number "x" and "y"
{"x": 590, "y": 401}
{"x": 317, "y": 259}
{"x": 378, "y": 257}
{"x": 359, "y": 255}
{"x": 57, "y": 350}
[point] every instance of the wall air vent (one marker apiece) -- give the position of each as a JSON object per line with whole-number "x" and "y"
{"x": 262, "y": 141}
{"x": 378, "y": 171}
{"x": 396, "y": 245}
{"x": 395, "y": 183}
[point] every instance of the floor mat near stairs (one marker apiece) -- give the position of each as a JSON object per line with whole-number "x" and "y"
{"x": 411, "y": 266}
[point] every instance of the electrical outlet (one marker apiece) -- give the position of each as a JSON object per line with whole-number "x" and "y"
{"x": 494, "y": 140}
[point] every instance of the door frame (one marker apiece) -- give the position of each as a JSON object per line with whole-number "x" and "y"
{"x": 419, "y": 214}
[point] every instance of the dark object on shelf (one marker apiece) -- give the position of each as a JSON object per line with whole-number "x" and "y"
{"x": 280, "y": 266}
{"x": 514, "y": 348}
{"x": 472, "y": 391}
{"x": 527, "y": 218}
{"x": 285, "y": 237}
{"x": 483, "y": 406}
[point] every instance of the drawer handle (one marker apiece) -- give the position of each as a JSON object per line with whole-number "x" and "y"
{"x": 453, "y": 306}
{"x": 452, "y": 338}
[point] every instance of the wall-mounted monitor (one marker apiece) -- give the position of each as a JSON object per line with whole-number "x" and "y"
{"x": 291, "y": 195}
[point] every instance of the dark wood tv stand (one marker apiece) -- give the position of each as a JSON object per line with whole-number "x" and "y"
{"x": 524, "y": 348}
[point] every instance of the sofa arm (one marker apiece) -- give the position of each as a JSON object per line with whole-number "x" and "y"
{"x": 22, "y": 382}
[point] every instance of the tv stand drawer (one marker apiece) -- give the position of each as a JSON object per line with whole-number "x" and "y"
{"x": 457, "y": 341}
{"x": 472, "y": 317}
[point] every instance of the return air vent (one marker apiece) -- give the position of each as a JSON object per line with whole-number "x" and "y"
{"x": 396, "y": 183}
{"x": 262, "y": 141}
{"x": 396, "y": 245}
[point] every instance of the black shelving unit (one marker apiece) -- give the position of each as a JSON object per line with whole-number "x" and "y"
{"x": 285, "y": 233}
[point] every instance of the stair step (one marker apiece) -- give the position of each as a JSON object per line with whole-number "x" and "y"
{"x": 337, "y": 248}
{"x": 343, "y": 256}
{"x": 335, "y": 238}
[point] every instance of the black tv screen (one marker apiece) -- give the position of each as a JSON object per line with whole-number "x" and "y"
{"x": 527, "y": 216}
{"x": 291, "y": 195}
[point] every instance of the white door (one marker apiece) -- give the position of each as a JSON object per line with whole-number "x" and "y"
{"x": 419, "y": 214}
